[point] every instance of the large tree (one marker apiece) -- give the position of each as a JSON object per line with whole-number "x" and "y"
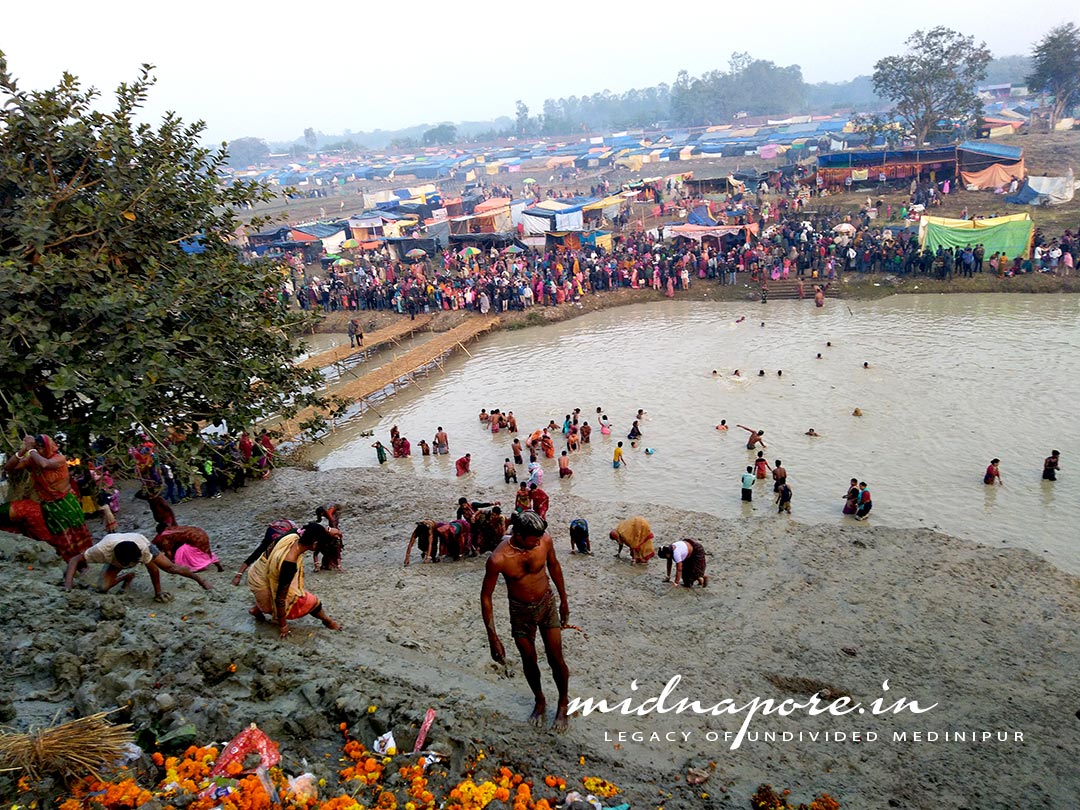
{"x": 935, "y": 80}
{"x": 107, "y": 324}
{"x": 1055, "y": 62}
{"x": 244, "y": 152}
{"x": 441, "y": 135}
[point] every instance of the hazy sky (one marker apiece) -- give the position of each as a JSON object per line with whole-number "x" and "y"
{"x": 271, "y": 69}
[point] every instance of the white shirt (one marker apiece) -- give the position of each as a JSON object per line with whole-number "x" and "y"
{"x": 104, "y": 550}
{"x": 679, "y": 551}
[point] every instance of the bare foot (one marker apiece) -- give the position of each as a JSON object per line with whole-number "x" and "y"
{"x": 562, "y": 722}
{"x": 704, "y": 582}
{"x": 537, "y": 716}
{"x": 330, "y": 624}
{"x": 219, "y": 567}
{"x": 258, "y": 614}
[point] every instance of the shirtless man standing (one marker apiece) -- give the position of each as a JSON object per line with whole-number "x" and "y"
{"x": 755, "y": 437}
{"x": 525, "y": 559}
{"x": 442, "y": 442}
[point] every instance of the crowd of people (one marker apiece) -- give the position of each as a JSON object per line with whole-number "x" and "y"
{"x": 779, "y": 240}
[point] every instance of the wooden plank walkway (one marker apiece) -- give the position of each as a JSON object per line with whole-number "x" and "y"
{"x": 390, "y": 334}
{"x": 401, "y": 371}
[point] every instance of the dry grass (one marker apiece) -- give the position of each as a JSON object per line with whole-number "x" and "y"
{"x": 68, "y": 751}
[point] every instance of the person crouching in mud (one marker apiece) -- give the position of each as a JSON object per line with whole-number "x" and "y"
{"x": 525, "y": 560}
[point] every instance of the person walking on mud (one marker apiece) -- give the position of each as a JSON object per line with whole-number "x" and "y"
{"x": 525, "y": 561}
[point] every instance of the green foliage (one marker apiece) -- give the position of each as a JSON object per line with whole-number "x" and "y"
{"x": 1008, "y": 70}
{"x": 1055, "y": 62}
{"x": 934, "y": 80}
{"x": 245, "y": 152}
{"x": 440, "y": 135}
{"x": 106, "y": 325}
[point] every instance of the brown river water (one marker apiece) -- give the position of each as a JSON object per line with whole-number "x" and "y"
{"x": 954, "y": 380}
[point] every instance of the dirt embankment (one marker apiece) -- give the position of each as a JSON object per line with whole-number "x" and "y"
{"x": 985, "y": 634}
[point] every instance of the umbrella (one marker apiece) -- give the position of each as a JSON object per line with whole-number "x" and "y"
{"x": 349, "y": 244}
{"x": 332, "y": 256}
{"x": 470, "y": 251}
{"x": 416, "y": 253}
{"x": 844, "y": 227}
{"x": 514, "y": 249}
{"x": 528, "y": 181}
{"x": 343, "y": 263}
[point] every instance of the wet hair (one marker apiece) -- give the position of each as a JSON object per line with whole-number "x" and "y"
{"x": 666, "y": 552}
{"x": 749, "y": 469}
{"x": 127, "y": 553}
{"x": 995, "y": 461}
{"x": 528, "y": 523}
{"x": 313, "y": 534}
{"x": 1055, "y": 452}
{"x": 465, "y": 500}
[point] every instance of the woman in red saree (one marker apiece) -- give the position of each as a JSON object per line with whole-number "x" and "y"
{"x": 56, "y": 517}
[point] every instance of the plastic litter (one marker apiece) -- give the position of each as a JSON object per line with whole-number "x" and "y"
{"x": 384, "y": 743}
{"x": 304, "y": 787}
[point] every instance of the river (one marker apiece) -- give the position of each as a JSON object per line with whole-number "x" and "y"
{"x": 954, "y": 380}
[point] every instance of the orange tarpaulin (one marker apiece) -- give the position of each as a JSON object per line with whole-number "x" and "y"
{"x": 494, "y": 202}
{"x": 996, "y": 176}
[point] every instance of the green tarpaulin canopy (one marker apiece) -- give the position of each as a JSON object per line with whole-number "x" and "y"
{"x": 1008, "y": 235}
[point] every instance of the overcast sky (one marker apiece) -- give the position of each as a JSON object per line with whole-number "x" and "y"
{"x": 271, "y": 69}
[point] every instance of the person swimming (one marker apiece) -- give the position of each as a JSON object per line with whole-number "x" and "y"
{"x": 780, "y": 373}
{"x": 722, "y": 425}
{"x": 714, "y": 372}
{"x": 819, "y": 355}
{"x": 736, "y": 373}
{"x": 811, "y": 432}
{"x": 649, "y": 451}
{"x": 857, "y": 412}
{"x": 761, "y": 373}
{"x": 866, "y": 365}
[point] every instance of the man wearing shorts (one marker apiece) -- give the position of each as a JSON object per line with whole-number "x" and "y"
{"x": 525, "y": 561}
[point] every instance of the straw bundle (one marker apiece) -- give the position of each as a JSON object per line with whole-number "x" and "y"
{"x": 68, "y": 751}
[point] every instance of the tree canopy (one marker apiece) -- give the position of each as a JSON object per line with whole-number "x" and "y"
{"x": 1055, "y": 62}
{"x": 107, "y": 325}
{"x": 442, "y": 134}
{"x": 935, "y": 80}
{"x": 247, "y": 151}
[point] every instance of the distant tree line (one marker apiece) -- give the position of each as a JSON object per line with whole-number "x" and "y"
{"x": 949, "y": 62}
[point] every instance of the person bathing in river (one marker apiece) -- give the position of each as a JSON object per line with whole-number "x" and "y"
{"x": 755, "y": 437}
{"x": 993, "y": 472}
{"x": 564, "y": 466}
{"x": 761, "y": 466}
